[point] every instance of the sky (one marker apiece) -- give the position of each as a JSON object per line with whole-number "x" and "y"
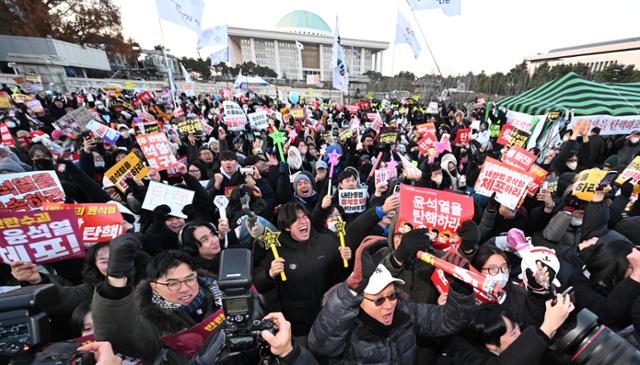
{"x": 490, "y": 35}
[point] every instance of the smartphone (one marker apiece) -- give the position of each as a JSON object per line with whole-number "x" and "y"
{"x": 61, "y": 168}
{"x": 246, "y": 170}
{"x": 608, "y": 179}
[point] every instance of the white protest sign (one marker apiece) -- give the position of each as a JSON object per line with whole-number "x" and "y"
{"x": 163, "y": 194}
{"x": 234, "y": 116}
{"x": 432, "y": 108}
{"x": 259, "y": 120}
{"x": 29, "y": 190}
{"x": 353, "y": 200}
{"x": 509, "y": 183}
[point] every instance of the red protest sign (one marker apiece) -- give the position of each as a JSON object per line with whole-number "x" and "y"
{"x": 509, "y": 184}
{"x": 503, "y": 138}
{"x": 463, "y": 135}
{"x": 157, "y": 151}
{"x": 353, "y": 109}
{"x": 144, "y": 97}
{"x": 178, "y": 112}
{"x": 427, "y": 142}
{"x": 39, "y": 237}
{"x": 28, "y": 190}
{"x": 519, "y": 158}
{"x": 339, "y": 106}
{"x": 372, "y": 116}
{"x": 423, "y": 207}
{"x": 99, "y": 222}
{"x": 426, "y": 128}
{"x": 538, "y": 174}
{"x": 364, "y": 105}
{"x": 313, "y": 103}
{"x": 7, "y": 139}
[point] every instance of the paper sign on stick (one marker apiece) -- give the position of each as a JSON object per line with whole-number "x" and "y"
{"x": 163, "y": 194}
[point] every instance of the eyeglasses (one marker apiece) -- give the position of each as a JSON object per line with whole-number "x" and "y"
{"x": 380, "y": 301}
{"x": 175, "y": 285}
{"x": 494, "y": 270}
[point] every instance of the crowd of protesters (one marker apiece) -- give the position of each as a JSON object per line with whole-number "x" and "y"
{"x": 159, "y": 277}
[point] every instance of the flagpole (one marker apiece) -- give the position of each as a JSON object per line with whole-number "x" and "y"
{"x": 166, "y": 62}
{"x": 426, "y": 43}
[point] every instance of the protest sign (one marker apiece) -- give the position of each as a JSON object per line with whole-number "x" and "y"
{"x": 147, "y": 128}
{"x": 259, "y": 120}
{"x": 297, "y": 113}
{"x": 74, "y": 122}
{"x": 423, "y": 207}
{"x": 353, "y": 200}
{"x": 7, "y": 138}
{"x": 519, "y": 158}
{"x": 190, "y": 341}
{"x": 432, "y": 108}
{"x": 144, "y": 97}
{"x": 388, "y": 135}
{"x": 632, "y": 171}
{"x": 427, "y": 142}
{"x": 377, "y": 123}
{"x": 163, "y": 194}
{"x": 352, "y": 109}
{"x": 157, "y": 151}
{"x": 524, "y": 122}
{"x": 39, "y": 237}
{"x": 5, "y": 100}
{"x": 190, "y": 126}
{"x": 537, "y": 175}
{"x": 99, "y": 222}
{"x": 108, "y": 134}
{"x": 35, "y": 81}
{"x": 313, "y": 103}
{"x": 28, "y": 190}
{"x": 380, "y": 176}
{"x": 363, "y": 105}
{"x": 518, "y": 138}
{"x": 372, "y": 116}
{"x": 34, "y": 105}
{"x": 611, "y": 125}
{"x": 234, "y": 116}
{"x": 128, "y": 167}
{"x": 463, "y": 135}
{"x": 354, "y": 125}
{"x": 178, "y": 112}
{"x": 503, "y": 138}
{"x": 426, "y": 128}
{"x": 508, "y": 183}
{"x": 21, "y": 98}
{"x": 345, "y": 134}
{"x": 586, "y": 183}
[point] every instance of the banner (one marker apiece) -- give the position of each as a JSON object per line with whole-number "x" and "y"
{"x": 186, "y": 13}
{"x": 463, "y": 135}
{"x": 524, "y": 122}
{"x": 108, "y": 134}
{"x": 610, "y": 125}
{"x": 519, "y": 158}
{"x": 426, "y": 128}
{"x": 7, "y": 138}
{"x": 508, "y": 183}
{"x": 163, "y": 194}
{"x": 259, "y": 120}
{"x": 74, "y": 122}
{"x": 429, "y": 208}
{"x": 586, "y": 182}
{"x": 388, "y": 135}
{"x": 157, "y": 151}
{"x": 538, "y": 174}
{"x": 234, "y": 116}
{"x": 99, "y": 222}
{"x": 29, "y": 190}
{"x": 39, "y": 237}
{"x": 128, "y": 167}
{"x": 190, "y": 126}
{"x": 352, "y": 200}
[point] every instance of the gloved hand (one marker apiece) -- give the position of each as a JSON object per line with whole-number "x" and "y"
{"x": 283, "y": 168}
{"x": 160, "y": 215}
{"x": 470, "y": 235}
{"x": 121, "y": 256}
{"x": 364, "y": 265}
{"x": 493, "y": 204}
{"x": 456, "y": 285}
{"x": 626, "y": 188}
{"x": 410, "y": 244}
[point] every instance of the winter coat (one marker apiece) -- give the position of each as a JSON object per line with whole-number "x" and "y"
{"x": 349, "y": 336}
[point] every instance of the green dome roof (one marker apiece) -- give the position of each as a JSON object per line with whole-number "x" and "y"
{"x": 301, "y": 21}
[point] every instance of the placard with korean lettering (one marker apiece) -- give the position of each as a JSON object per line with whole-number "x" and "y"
{"x": 7, "y": 138}
{"x": 259, "y": 120}
{"x": 586, "y": 183}
{"x": 518, "y": 138}
{"x": 508, "y": 183}
{"x": 352, "y": 109}
{"x": 234, "y": 116}
{"x": 74, "y": 122}
{"x": 537, "y": 174}
{"x": 463, "y": 135}
{"x": 175, "y": 198}
{"x": 424, "y": 207}
{"x": 99, "y": 222}
{"x": 190, "y": 126}
{"x": 39, "y": 237}
{"x": 426, "y": 128}
{"x": 110, "y": 135}
{"x": 297, "y": 113}
{"x": 28, "y": 190}
{"x": 353, "y": 200}
{"x": 432, "y": 108}
{"x": 157, "y": 150}
{"x": 519, "y": 158}
{"x": 388, "y": 135}
{"x": 128, "y": 167}
{"x": 632, "y": 171}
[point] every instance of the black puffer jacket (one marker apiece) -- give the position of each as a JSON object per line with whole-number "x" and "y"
{"x": 348, "y": 336}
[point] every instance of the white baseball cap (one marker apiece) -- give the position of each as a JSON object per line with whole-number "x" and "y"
{"x": 380, "y": 279}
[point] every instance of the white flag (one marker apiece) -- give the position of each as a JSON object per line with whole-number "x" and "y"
{"x": 340, "y": 77}
{"x": 449, "y": 7}
{"x": 186, "y": 13}
{"x": 220, "y": 56}
{"x": 405, "y": 34}
{"x": 299, "y": 45}
{"x": 216, "y": 36}
{"x": 185, "y": 74}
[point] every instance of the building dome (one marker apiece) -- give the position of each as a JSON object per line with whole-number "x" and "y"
{"x": 304, "y": 22}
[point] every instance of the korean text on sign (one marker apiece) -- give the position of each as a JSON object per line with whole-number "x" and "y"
{"x": 129, "y": 167}
{"x": 190, "y": 126}
{"x": 99, "y": 222}
{"x": 423, "y": 207}
{"x": 156, "y": 150}
{"x": 39, "y": 237}
{"x": 508, "y": 183}
{"x": 353, "y": 200}
{"x": 175, "y": 198}
{"x": 28, "y": 190}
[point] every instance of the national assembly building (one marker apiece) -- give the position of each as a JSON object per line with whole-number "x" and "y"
{"x": 300, "y": 49}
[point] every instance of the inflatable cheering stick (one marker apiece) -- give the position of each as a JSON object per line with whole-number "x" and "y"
{"x": 270, "y": 239}
{"x": 340, "y": 225}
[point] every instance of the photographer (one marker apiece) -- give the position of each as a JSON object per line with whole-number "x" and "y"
{"x": 494, "y": 336}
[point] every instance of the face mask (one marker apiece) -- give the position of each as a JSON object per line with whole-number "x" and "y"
{"x": 43, "y": 164}
{"x": 635, "y": 140}
{"x": 437, "y": 180}
{"x": 565, "y": 138}
{"x": 572, "y": 165}
{"x": 576, "y": 222}
{"x": 501, "y": 279}
{"x": 99, "y": 165}
{"x": 331, "y": 225}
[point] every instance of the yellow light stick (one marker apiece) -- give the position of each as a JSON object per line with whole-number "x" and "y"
{"x": 340, "y": 225}
{"x": 270, "y": 239}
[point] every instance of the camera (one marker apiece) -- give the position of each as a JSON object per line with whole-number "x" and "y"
{"x": 591, "y": 343}
{"x": 242, "y": 328}
{"x": 23, "y": 323}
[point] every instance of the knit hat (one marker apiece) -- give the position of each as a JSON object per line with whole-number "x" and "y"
{"x": 611, "y": 161}
{"x": 321, "y": 165}
{"x": 301, "y": 176}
